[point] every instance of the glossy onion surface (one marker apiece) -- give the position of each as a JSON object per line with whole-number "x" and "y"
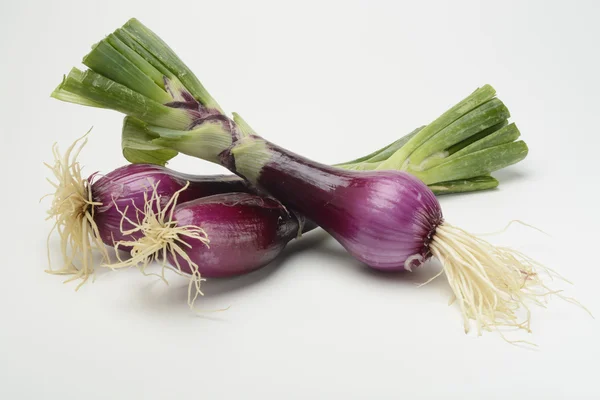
{"x": 385, "y": 218}
{"x": 245, "y": 231}
{"x": 125, "y": 188}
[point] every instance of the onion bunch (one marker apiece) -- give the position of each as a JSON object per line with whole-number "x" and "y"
{"x": 99, "y": 210}
{"x": 379, "y": 208}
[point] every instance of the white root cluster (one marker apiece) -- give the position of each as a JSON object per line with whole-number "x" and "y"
{"x": 73, "y": 210}
{"x": 162, "y": 236}
{"x": 491, "y": 283}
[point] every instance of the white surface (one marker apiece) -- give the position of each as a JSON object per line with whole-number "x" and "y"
{"x": 315, "y": 324}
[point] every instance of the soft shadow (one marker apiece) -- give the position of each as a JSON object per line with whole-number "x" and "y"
{"x": 214, "y": 289}
{"x": 417, "y": 277}
{"x": 312, "y": 240}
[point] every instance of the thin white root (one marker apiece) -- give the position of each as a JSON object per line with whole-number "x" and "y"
{"x": 73, "y": 210}
{"x": 514, "y": 221}
{"x": 491, "y": 284}
{"x": 162, "y": 237}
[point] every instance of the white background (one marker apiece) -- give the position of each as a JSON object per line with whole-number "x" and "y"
{"x": 330, "y": 80}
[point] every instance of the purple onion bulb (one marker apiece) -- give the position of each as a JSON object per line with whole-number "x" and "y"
{"x": 127, "y": 188}
{"x": 88, "y": 211}
{"x": 392, "y": 221}
{"x": 385, "y": 219}
{"x": 215, "y": 236}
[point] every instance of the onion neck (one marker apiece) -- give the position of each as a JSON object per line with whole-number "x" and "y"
{"x": 298, "y": 182}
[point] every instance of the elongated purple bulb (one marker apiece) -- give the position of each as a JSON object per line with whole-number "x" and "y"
{"x": 385, "y": 219}
{"x": 245, "y": 232}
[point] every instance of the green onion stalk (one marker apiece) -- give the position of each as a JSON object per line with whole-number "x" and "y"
{"x": 169, "y": 112}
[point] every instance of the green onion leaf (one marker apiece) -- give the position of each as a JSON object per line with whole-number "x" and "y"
{"x": 136, "y": 142}
{"x": 477, "y": 98}
{"x": 100, "y": 91}
{"x": 478, "y": 163}
{"x": 159, "y": 50}
{"x": 464, "y": 185}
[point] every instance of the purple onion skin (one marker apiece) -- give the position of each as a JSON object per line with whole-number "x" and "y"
{"x": 246, "y": 232}
{"x": 127, "y": 185}
{"x": 383, "y": 218}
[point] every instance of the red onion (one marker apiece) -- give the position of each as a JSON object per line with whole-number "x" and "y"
{"x": 390, "y": 220}
{"x": 215, "y": 236}
{"x": 88, "y": 212}
{"x": 126, "y": 187}
{"x": 386, "y": 219}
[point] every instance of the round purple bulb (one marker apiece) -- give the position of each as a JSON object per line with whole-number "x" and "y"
{"x": 245, "y": 232}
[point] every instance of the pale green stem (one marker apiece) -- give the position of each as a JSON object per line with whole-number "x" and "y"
{"x": 136, "y": 142}
{"x": 464, "y": 185}
{"x": 207, "y": 141}
{"x": 100, "y": 91}
{"x": 167, "y": 57}
{"x": 461, "y": 145}
{"x": 478, "y": 163}
{"x": 477, "y": 98}
{"x": 483, "y": 117}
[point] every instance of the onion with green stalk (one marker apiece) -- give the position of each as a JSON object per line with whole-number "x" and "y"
{"x": 133, "y": 65}
{"x": 89, "y": 210}
{"x": 385, "y": 217}
{"x": 133, "y": 71}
